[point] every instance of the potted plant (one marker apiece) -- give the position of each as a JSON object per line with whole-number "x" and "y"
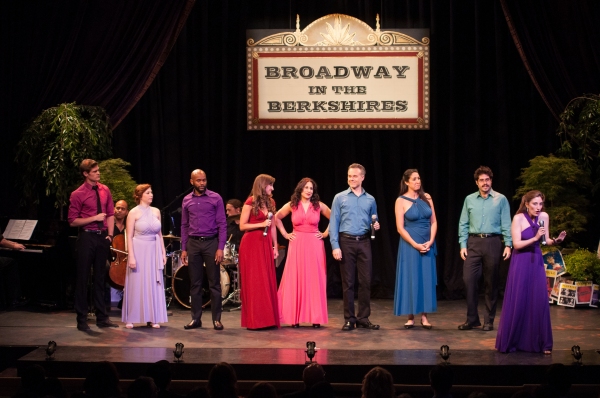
{"x": 115, "y": 175}
{"x": 54, "y": 144}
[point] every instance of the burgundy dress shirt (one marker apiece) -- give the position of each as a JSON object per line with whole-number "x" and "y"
{"x": 204, "y": 216}
{"x": 83, "y": 204}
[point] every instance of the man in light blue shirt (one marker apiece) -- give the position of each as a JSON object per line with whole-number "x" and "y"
{"x": 484, "y": 221}
{"x": 353, "y": 212}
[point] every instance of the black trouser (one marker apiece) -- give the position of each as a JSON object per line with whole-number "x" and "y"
{"x": 10, "y": 283}
{"x": 202, "y": 253}
{"x": 356, "y": 255}
{"x": 92, "y": 250}
{"x": 483, "y": 256}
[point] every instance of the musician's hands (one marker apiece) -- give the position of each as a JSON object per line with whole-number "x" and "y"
{"x": 560, "y": 238}
{"x": 184, "y": 258}
{"x": 219, "y": 256}
{"x": 17, "y": 246}
{"x": 376, "y": 226}
{"x": 267, "y": 223}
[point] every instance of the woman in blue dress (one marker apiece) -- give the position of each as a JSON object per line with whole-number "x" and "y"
{"x": 416, "y": 276}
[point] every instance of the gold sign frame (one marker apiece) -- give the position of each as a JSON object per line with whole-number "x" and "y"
{"x": 393, "y": 90}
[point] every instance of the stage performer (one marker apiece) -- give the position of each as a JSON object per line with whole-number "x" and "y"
{"x": 121, "y": 211}
{"x": 416, "y": 276}
{"x": 144, "y": 292}
{"x": 203, "y": 237}
{"x": 351, "y": 220}
{"x": 233, "y": 208}
{"x": 484, "y": 220}
{"x": 258, "y": 251}
{"x": 302, "y": 292}
{"x": 525, "y": 322}
{"x": 92, "y": 210}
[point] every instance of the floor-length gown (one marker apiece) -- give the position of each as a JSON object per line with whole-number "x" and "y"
{"x": 416, "y": 276}
{"x": 303, "y": 289}
{"x": 144, "y": 291}
{"x": 525, "y": 318}
{"x": 257, "y": 275}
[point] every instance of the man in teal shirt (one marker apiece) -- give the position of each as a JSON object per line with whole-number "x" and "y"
{"x": 352, "y": 213}
{"x": 484, "y": 220}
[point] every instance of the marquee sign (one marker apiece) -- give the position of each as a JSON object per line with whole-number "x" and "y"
{"x": 338, "y": 73}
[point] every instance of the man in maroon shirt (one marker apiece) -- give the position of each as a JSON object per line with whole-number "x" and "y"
{"x": 92, "y": 210}
{"x": 203, "y": 236}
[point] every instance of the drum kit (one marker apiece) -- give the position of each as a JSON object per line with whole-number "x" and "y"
{"x": 178, "y": 287}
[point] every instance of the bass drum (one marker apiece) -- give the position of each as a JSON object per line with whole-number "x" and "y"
{"x": 182, "y": 285}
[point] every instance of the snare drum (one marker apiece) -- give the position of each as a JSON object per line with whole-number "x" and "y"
{"x": 230, "y": 255}
{"x": 182, "y": 286}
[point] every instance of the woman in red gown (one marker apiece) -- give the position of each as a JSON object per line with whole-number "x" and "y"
{"x": 258, "y": 251}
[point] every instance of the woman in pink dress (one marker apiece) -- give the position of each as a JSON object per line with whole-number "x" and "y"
{"x": 302, "y": 292}
{"x": 258, "y": 250}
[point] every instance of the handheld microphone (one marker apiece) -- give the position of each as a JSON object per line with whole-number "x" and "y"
{"x": 373, "y": 220}
{"x": 269, "y": 216}
{"x": 543, "y": 238}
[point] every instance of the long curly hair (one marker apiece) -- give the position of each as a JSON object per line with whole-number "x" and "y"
{"x": 404, "y": 186}
{"x": 259, "y": 196}
{"x": 297, "y": 195}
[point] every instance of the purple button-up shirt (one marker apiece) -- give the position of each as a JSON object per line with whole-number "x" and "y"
{"x": 83, "y": 204}
{"x": 203, "y": 215}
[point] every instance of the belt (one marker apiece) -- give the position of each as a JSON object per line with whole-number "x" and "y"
{"x": 95, "y": 231}
{"x": 484, "y": 235}
{"x": 354, "y": 237}
{"x": 203, "y": 238}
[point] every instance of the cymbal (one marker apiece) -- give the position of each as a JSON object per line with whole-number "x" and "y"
{"x": 172, "y": 237}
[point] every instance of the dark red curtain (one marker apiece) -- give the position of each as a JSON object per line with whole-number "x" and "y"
{"x": 485, "y": 111}
{"x": 559, "y": 45}
{"x": 485, "y": 108}
{"x": 104, "y": 53}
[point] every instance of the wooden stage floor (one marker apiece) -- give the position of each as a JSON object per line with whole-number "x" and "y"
{"x": 391, "y": 346}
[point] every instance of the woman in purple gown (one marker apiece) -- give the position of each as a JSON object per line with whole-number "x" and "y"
{"x": 525, "y": 319}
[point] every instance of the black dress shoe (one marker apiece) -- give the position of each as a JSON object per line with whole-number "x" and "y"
{"x": 193, "y": 324}
{"x": 217, "y": 325}
{"x": 296, "y": 325}
{"x": 468, "y": 326}
{"x": 316, "y": 325}
{"x": 488, "y": 327}
{"x": 348, "y": 326}
{"x": 367, "y": 325}
{"x": 106, "y": 324}
{"x": 83, "y": 326}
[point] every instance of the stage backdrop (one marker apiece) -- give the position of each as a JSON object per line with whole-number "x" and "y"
{"x": 487, "y": 111}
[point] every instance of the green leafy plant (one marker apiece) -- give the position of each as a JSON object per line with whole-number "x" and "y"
{"x": 583, "y": 265}
{"x": 53, "y": 146}
{"x": 114, "y": 174}
{"x": 563, "y": 183}
{"x": 579, "y": 131}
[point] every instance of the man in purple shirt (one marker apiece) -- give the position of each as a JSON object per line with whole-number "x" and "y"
{"x": 92, "y": 210}
{"x": 203, "y": 236}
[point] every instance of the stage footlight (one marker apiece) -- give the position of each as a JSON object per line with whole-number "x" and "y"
{"x": 50, "y": 350}
{"x": 178, "y": 352}
{"x": 577, "y": 354}
{"x": 445, "y": 352}
{"x": 311, "y": 351}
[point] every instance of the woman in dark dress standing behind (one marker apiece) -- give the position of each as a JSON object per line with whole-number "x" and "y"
{"x": 258, "y": 251}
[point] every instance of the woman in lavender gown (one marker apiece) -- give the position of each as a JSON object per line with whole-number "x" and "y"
{"x": 525, "y": 320}
{"x": 144, "y": 292}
